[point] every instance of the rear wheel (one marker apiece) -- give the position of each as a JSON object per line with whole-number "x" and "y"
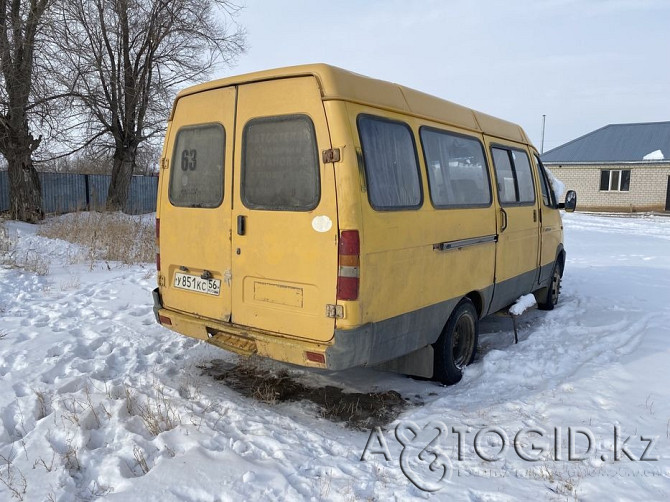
{"x": 553, "y": 290}
{"x": 457, "y": 344}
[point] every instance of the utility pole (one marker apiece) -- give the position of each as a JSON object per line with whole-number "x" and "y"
{"x": 544, "y": 119}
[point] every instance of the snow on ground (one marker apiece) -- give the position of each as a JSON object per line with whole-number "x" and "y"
{"x": 522, "y": 304}
{"x": 97, "y": 402}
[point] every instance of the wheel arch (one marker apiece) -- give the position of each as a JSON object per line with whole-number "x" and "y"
{"x": 478, "y": 301}
{"x": 560, "y": 257}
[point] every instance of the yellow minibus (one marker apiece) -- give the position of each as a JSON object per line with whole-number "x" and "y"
{"x": 322, "y": 218}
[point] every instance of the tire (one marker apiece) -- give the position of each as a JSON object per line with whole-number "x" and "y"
{"x": 457, "y": 344}
{"x": 553, "y": 290}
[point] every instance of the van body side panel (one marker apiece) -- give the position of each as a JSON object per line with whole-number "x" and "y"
{"x": 284, "y": 259}
{"x": 348, "y": 183}
{"x": 196, "y": 240}
{"x": 551, "y": 238}
{"x": 551, "y": 231}
{"x": 403, "y": 269}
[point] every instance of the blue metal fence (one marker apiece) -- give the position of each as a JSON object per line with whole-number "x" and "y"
{"x": 64, "y": 193}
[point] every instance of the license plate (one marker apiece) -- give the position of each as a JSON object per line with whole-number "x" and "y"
{"x": 198, "y": 284}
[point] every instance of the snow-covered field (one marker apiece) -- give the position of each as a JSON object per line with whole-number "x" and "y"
{"x": 99, "y": 402}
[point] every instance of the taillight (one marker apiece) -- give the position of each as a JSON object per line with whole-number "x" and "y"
{"x": 315, "y": 357}
{"x": 158, "y": 252}
{"x": 348, "y": 275}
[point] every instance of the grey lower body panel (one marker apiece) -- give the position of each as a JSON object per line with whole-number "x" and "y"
{"x": 376, "y": 342}
{"x": 379, "y": 342}
{"x": 507, "y": 292}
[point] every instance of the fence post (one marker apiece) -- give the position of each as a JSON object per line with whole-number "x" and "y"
{"x": 88, "y": 193}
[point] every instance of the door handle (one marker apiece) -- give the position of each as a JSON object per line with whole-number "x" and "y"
{"x": 503, "y": 225}
{"x": 534, "y": 215}
{"x": 241, "y": 224}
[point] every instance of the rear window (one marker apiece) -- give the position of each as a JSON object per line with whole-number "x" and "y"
{"x": 197, "y": 166}
{"x": 457, "y": 172}
{"x": 391, "y": 166}
{"x": 280, "y": 164}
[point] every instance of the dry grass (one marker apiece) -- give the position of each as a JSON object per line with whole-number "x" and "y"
{"x": 106, "y": 236}
{"x": 140, "y": 459}
{"x": 43, "y": 404}
{"x": 10, "y": 257}
{"x": 7, "y": 247}
{"x": 358, "y": 410}
{"x": 12, "y": 477}
{"x": 158, "y": 413}
{"x": 35, "y": 263}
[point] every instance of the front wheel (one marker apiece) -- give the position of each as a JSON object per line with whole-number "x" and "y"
{"x": 457, "y": 344}
{"x": 553, "y": 290}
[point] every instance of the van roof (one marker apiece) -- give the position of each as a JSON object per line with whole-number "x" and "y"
{"x": 338, "y": 84}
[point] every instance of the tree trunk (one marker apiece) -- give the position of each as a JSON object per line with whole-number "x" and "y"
{"x": 122, "y": 175}
{"x": 25, "y": 189}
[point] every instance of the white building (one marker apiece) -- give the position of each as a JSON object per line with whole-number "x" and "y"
{"x": 620, "y": 167}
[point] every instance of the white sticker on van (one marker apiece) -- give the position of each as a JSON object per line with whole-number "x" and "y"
{"x": 322, "y": 223}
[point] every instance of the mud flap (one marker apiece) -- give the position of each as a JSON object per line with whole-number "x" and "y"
{"x": 158, "y": 303}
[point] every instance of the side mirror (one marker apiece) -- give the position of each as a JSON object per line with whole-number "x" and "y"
{"x": 570, "y": 202}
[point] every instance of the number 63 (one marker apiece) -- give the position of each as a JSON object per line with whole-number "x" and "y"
{"x": 188, "y": 160}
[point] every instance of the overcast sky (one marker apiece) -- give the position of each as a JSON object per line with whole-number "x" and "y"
{"x": 583, "y": 63}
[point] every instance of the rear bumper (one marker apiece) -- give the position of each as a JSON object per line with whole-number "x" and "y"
{"x": 242, "y": 339}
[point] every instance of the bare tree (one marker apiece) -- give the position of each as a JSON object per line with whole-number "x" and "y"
{"x": 125, "y": 59}
{"x": 20, "y": 23}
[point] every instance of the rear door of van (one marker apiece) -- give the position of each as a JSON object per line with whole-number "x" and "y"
{"x": 196, "y": 200}
{"x": 284, "y": 217}
{"x": 248, "y": 220}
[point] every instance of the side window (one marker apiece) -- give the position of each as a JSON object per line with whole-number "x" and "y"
{"x": 280, "y": 164}
{"x": 504, "y": 175}
{"x": 524, "y": 176}
{"x": 391, "y": 166}
{"x": 547, "y": 193}
{"x": 196, "y": 178}
{"x": 457, "y": 172}
{"x": 513, "y": 175}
